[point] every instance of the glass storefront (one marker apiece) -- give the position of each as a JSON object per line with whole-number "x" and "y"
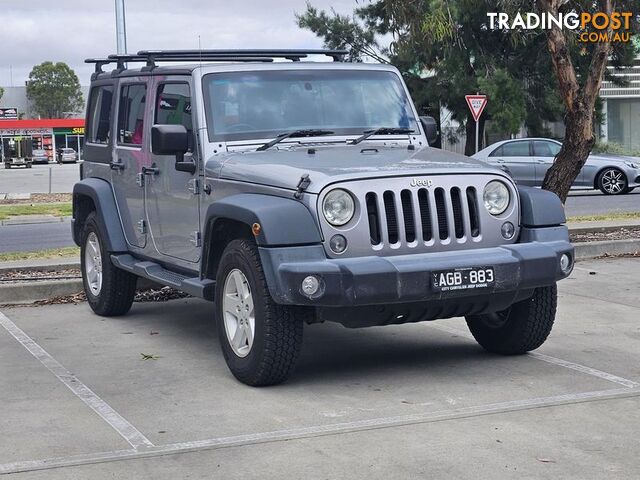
{"x": 623, "y": 122}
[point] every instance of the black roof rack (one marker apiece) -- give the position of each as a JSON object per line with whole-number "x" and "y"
{"x": 288, "y": 54}
{"x": 121, "y": 60}
{"x": 150, "y": 57}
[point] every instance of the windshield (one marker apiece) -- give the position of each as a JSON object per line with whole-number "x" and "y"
{"x": 258, "y": 105}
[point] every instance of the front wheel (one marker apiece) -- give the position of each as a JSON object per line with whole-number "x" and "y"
{"x": 613, "y": 182}
{"x": 522, "y": 327}
{"x": 109, "y": 290}
{"x": 260, "y": 339}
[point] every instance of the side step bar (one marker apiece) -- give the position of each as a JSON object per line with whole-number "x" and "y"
{"x": 192, "y": 285}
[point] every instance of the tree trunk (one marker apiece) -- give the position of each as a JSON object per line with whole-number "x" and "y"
{"x": 579, "y": 101}
{"x": 577, "y": 145}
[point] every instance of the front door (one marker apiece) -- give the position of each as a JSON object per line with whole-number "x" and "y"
{"x": 173, "y": 197}
{"x": 128, "y": 157}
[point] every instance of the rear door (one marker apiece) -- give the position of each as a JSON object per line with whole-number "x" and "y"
{"x": 172, "y": 202}
{"x": 545, "y": 153}
{"x": 129, "y": 155}
{"x": 516, "y": 157}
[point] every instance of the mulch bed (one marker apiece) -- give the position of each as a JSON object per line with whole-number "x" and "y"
{"x": 163, "y": 294}
{"x": 31, "y": 275}
{"x": 626, "y": 233}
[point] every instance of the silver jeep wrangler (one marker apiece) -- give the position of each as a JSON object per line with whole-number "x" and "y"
{"x": 291, "y": 192}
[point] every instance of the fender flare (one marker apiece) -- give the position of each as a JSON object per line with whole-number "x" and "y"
{"x": 283, "y": 221}
{"x": 540, "y": 208}
{"x": 100, "y": 192}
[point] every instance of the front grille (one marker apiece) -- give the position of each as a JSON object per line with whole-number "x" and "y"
{"x": 411, "y": 216}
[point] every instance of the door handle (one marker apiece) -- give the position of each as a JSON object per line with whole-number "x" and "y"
{"x": 500, "y": 160}
{"x": 152, "y": 170}
{"x": 117, "y": 165}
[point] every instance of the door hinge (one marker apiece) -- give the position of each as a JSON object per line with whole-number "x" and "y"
{"x": 196, "y": 239}
{"x": 140, "y": 179}
{"x": 194, "y": 186}
{"x": 142, "y": 226}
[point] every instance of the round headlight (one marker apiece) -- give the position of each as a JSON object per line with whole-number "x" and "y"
{"x": 338, "y": 207}
{"x": 496, "y": 197}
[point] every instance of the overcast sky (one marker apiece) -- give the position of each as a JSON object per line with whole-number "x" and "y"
{"x": 34, "y": 31}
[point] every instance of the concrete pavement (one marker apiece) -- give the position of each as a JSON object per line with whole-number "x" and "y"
{"x": 411, "y": 401}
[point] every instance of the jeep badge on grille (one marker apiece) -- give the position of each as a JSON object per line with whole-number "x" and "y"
{"x": 418, "y": 182}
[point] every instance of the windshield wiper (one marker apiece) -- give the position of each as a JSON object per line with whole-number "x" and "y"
{"x": 293, "y": 134}
{"x": 380, "y": 131}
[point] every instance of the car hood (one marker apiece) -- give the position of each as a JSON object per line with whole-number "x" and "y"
{"x": 330, "y": 164}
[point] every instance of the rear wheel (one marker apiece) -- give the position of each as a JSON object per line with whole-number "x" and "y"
{"x": 613, "y": 182}
{"x": 109, "y": 290}
{"x": 522, "y": 327}
{"x": 260, "y": 339}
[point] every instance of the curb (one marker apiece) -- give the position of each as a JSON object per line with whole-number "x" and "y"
{"x": 28, "y": 292}
{"x": 590, "y": 250}
{"x": 35, "y": 220}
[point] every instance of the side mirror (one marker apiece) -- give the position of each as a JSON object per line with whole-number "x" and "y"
{"x": 169, "y": 140}
{"x": 430, "y": 127}
{"x": 172, "y": 140}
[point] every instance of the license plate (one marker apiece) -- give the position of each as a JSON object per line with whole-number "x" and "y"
{"x": 468, "y": 278}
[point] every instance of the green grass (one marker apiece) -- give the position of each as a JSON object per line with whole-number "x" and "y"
{"x": 56, "y": 209}
{"x": 39, "y": 255}
{"x": 607, "y": 216}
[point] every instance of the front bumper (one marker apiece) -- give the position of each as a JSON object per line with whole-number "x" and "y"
{"x": 407, "y": 278}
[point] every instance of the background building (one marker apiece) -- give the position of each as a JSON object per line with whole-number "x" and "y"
{"x": 46, "y": 134}
{"x": 622, "y": 109}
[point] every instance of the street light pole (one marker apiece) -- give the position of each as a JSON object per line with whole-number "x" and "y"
{"x": 121, "y": 28}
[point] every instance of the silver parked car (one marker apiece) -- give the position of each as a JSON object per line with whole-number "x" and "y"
{"x": 39, "y": 156}
{"x": 67, "y": 155}
{"x": 528, "y": 159}
{"x": 302, "y": 192}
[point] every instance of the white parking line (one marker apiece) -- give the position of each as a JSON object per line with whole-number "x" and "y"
{"x": 84, "y": 393}
{"x": 549, "y": 359}
{"x": 318, "y": 431}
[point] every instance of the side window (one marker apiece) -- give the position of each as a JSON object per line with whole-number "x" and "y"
{"x": 100, "y": 114}
{"x": 515, "y": 149}
{"x": 497, "y": 152}
{"x": 173, "y": 106}
{"x": 555, "y": 148}
{"x": 543, "y": 149}
{"x": 131, "y": 114}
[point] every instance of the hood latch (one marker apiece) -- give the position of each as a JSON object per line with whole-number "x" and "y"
{"x": 303, "y": 184}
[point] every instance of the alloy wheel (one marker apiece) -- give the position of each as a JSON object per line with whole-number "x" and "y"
{"x": 613, "y": 181}
{"x": 93, "y": 263}
{"x": 238, "y": 312}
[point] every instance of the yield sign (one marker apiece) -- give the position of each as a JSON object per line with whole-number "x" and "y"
{"x": 476, "y": 105}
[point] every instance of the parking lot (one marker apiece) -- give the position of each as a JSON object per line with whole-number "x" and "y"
{"x": 79, "y": 401}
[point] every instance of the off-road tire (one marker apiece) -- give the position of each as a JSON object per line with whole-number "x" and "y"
{"x": 118, "y": 286}
{"x": 525, "y": 325}
{"x": 278, "y": 332}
